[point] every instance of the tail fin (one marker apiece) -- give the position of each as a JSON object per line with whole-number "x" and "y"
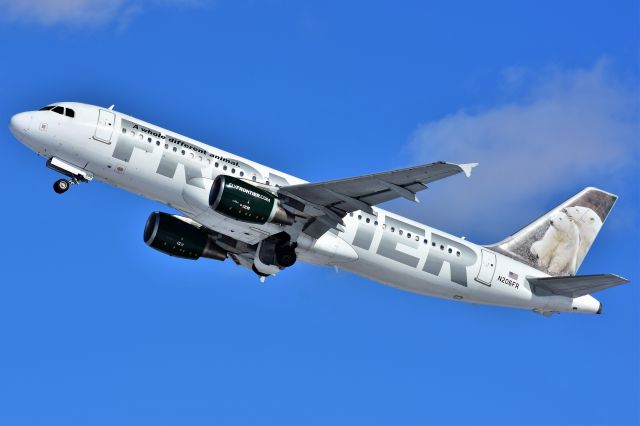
{"x": 557, "y": 242}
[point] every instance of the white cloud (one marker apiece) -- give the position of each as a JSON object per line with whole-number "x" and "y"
{"x": 79, "y": 13}
{"x": 567, "y": 128}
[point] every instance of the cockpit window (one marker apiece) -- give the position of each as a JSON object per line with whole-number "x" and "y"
{"x": 59, "y": 110}
{"x": 70, "y": 113}
{"x": 47, "y": 108}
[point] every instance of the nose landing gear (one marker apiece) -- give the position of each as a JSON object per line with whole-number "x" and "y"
{"x": 75, "y": 174}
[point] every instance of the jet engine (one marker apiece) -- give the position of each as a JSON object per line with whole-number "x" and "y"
{"x": 175, "y": 237}
{"x": 242, "y": 201}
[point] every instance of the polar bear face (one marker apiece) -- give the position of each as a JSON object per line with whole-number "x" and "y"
{"x": 562, "y": 223}
{"x": 592, "y": 220}
{"x": 584, "y": 217}
{"x": 575, "y": 212}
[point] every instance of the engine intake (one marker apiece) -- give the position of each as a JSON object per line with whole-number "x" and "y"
{"x": 175, "y": 237}
{"x": 242, "y": 201}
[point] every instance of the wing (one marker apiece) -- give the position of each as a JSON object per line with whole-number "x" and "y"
{"x": 324, "y": 204}
{"x": 575, "y": 286}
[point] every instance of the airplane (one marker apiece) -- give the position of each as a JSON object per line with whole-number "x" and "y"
{"x": 266, "y": 220}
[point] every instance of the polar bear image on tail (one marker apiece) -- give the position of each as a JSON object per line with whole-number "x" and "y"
{"x": 557, "y": 242}
{"x": 557, "y": 251}
{"x": 589, "y": 223}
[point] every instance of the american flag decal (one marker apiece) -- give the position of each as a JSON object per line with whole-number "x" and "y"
{"x": 513, "y": 275}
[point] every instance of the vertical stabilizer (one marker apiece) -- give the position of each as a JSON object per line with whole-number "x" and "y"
{"x": 558, "y": 242}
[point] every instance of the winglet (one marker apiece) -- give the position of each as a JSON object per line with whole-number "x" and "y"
{"x": 111, "y": 107}
{"x": 466, "y": 168}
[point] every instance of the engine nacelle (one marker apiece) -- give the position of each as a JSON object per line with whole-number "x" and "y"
{"x": 175, "y": 237}
{"x": 242, "y": 201}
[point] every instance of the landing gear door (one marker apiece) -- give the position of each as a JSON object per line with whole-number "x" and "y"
{"x": 487, "y": 267}
{"x": 104, "y": 128}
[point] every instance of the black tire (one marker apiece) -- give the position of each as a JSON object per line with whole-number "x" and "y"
{"x": 61, "y": 186}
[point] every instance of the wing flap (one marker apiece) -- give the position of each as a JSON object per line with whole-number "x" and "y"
{"x": 575, "y": 286}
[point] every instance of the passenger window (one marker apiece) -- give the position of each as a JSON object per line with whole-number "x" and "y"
{"x": 368, "y": 220}
{"x": 393, "y": 229}
{"x": 157, "y": 143}
{"x": 70, "y": 113}
{"x": 183, "y": 152}
{"x": 399, "y": 231}
{"x": 175, "y": 149}
{"x": 241, "y": 173}
{"x": 253, "y": 178}
{"x": 58, "y": 110}
{"x": 124, "y": 130}
{"x": 408, "y": 234}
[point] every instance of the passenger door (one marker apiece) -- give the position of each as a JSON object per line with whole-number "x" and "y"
{"x": 104, "y": 128}
{"x": 487, "y": 267}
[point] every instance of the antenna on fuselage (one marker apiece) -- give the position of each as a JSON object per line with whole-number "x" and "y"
{"x": 111, "y": 107}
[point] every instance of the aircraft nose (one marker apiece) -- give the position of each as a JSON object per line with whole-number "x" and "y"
{"x": 20, "y": 124}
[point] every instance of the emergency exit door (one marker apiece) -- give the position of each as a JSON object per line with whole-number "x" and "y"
{"x": 487, "y": 267}
{"x": 104, "y": 128}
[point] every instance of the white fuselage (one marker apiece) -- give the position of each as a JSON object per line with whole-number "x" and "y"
{"x": 178, "y": 171}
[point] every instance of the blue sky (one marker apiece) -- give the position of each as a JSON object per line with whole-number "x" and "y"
{"x": 96, "y": 328}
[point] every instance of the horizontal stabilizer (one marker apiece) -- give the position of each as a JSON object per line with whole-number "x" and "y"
{"x": 575, "y": 286}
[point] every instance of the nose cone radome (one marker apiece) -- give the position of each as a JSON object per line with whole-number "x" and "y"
{"x": 20, "y": 124}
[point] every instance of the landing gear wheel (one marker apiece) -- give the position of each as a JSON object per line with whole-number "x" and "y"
{"x": 61, "y": 186}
